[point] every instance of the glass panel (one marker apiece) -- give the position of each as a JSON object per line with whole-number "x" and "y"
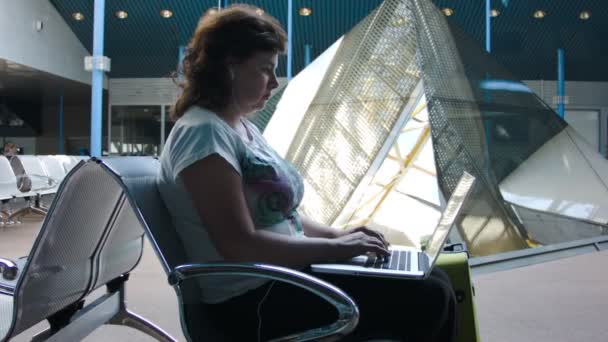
{"x": 358, "y": 105}
{"x": 480, "y": 119}
{"x": 135, "y": 130}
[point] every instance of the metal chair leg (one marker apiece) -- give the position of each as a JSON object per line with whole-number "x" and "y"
{"x": 27, "y": 210}
{"x": 132, "y": 320}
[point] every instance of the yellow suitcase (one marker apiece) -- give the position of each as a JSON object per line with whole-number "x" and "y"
{"x": 456, "y": 265}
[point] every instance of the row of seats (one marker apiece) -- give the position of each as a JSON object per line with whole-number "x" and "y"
{"x": 93, "y": 237}
{"x": 26, "y": 178}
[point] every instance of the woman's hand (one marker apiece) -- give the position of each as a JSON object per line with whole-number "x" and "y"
{"x": 365, "y": 230}
{"x": 358, "y": 241}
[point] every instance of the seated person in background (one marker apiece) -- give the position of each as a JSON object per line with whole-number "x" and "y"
{"x": 24, "y": 183}
{"x": 232, "y": 198}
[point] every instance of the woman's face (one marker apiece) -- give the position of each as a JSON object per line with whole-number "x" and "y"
{"x": 253, "y": 80}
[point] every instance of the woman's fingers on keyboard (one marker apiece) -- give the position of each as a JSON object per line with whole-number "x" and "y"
{"x": 371, "y": 232}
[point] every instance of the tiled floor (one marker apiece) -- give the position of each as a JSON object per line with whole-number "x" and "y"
{"x": 563, "y": 300}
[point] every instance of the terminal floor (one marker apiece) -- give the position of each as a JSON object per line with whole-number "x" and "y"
{"x": 563, "y": 300}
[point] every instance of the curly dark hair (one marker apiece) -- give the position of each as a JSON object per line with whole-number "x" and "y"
{"x": 235, "y": 32}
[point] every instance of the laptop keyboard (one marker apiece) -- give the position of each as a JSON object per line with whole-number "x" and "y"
{"x": 398, "y": 260}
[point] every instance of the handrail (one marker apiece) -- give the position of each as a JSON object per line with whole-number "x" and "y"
{"x": 9, "y": 269}
{"x": 348, "y": 312}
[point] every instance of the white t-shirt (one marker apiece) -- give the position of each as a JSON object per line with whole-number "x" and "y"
{"x": 273, "y": 189}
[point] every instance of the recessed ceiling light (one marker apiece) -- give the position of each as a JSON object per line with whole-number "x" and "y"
{"x": 259, "y": 11}
{"x": 166, "y": 13}
{"x": 305, "y": 11}
{"x": 447, "y": 11}
{"x": 494, "y": 13}
{"x": 122, "y": 14}
{"x": 78, "y": 16}
{"x": 539, "y": 14}
{"x": 585, "y": 15}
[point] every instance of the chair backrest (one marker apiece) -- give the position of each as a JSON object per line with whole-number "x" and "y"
{"x": 8, "y": 181}
{"x": 67, "y": 162}
{"x": 53, "y": 167}
{"x": 36, "y": 171}
{"x": 83, "y": 242}
{"x": 138, "y": 177}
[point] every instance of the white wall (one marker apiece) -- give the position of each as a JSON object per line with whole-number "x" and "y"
{"x": 55, "y": 49}
{"x": 142, "y": 91}
{"x": 579, "y": 96}
{"x": 146, "y": 91}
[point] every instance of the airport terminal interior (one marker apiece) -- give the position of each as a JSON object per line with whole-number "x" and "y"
{"x": 382, "y": 106}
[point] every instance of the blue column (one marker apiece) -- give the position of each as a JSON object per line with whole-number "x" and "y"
{"x": 97, "y": 79}
{"x": 181, "y": 52}
{"x": 488, "y": 26}
{"x": 487, "y": 93}
{"x": 61, "y": 123}
{"x": 289, "y": 37}
{"x": 307, "y": 54}
{"x": 561, "y": 82}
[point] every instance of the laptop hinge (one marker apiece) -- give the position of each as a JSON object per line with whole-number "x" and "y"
{"x": 423, "y": 262}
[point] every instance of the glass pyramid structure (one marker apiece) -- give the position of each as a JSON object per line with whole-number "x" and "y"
{"x": 382, "y": 125}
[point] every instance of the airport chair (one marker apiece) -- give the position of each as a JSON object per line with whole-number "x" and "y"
{"x": 53, "y": 167}
{"x": 55, "y": 171}
{"x": 137, "y": 176}
{"x": 42, "y": 183}
{"x": 88, "y": 239}
{"x": 8, "y": 185}
{"x": 67, "y": 162}
{"x": 9, "y": 192}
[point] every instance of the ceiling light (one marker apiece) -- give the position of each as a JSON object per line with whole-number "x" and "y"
{"x": 122, "y": 14}
{"x": 305, "y": 11}
{"x": 539, "y": 14}
{"x": 447, "y": 11}
{"x": 166, "y": 13}
{"x": 259, "y": 11}
{"x": 585, "y": 15}
{"x": 78, "y": 16}
{"x": 494, "y": 13}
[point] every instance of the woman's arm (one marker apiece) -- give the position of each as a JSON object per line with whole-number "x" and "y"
{"x": 314, "y": 229}
{"x": 217, "y": 193}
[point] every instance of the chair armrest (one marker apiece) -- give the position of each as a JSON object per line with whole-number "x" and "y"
{"x": 348, "y": 312}
{"x": 51, "y": 182}
{"x": 9, "y": 269}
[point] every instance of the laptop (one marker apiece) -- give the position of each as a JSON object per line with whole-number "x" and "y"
{"x": 408, "y": 262}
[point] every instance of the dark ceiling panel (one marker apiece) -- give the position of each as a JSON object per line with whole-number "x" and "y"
{"x": 146, "y": 45}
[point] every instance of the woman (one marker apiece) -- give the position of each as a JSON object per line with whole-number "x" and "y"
{"x": 232, "y": 198}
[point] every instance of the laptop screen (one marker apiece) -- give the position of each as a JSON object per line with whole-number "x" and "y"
{"x": 448, "y": 217}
